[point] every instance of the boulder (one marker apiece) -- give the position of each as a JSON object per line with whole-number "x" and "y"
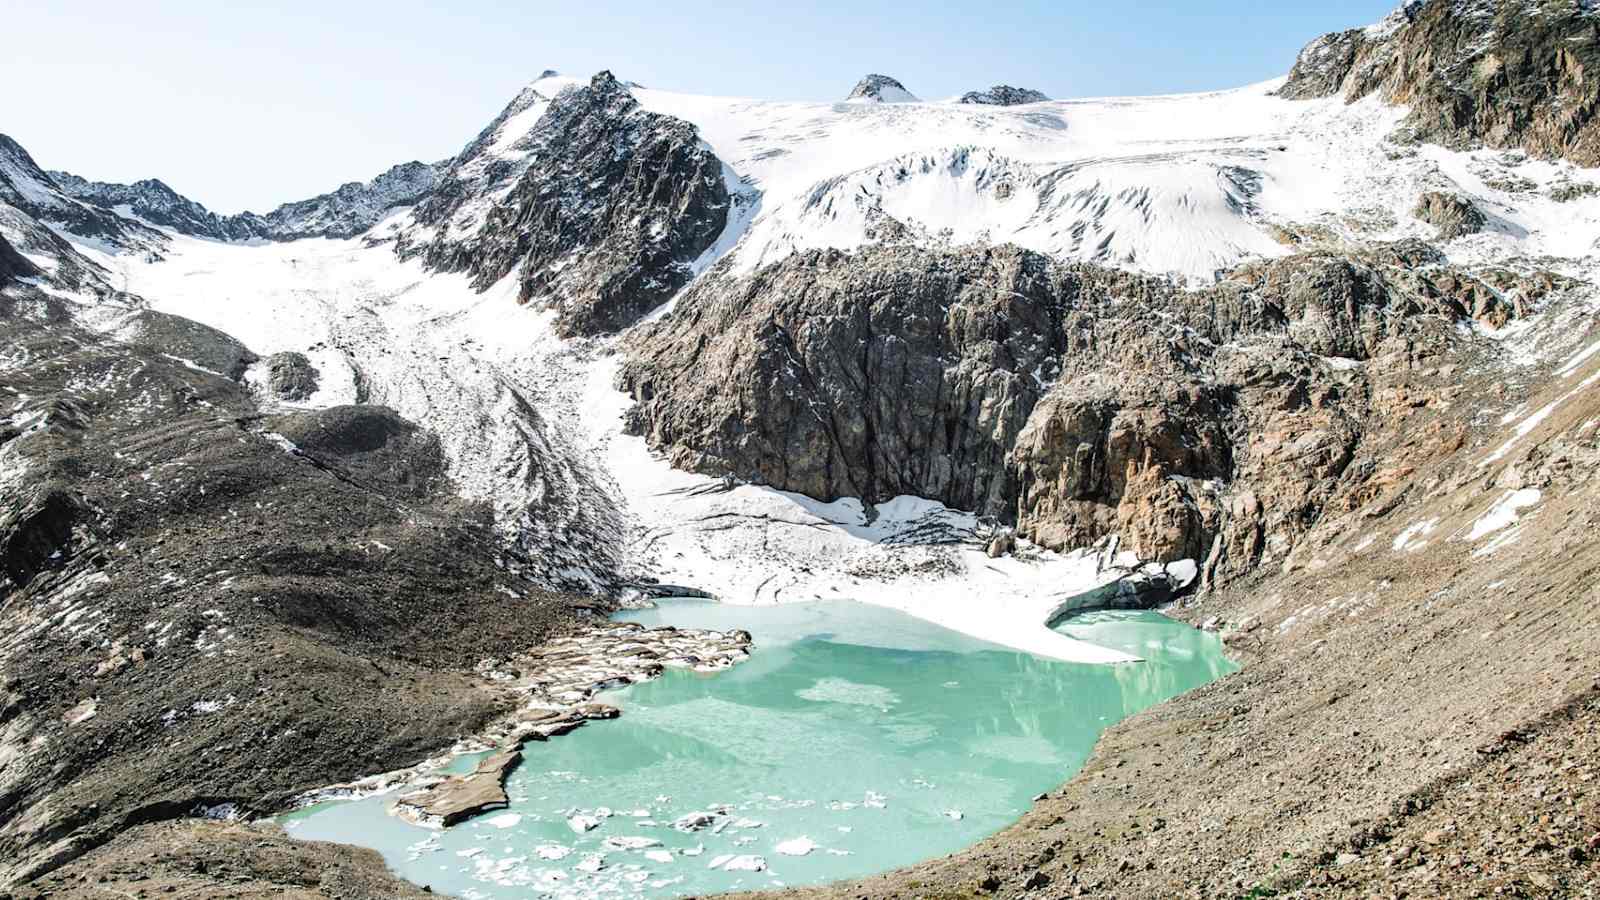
{"x": 1451, "y": 214}
{"x": 291, "y": 376}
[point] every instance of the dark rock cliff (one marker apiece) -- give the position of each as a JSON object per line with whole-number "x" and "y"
{"x": 14, "y": 265}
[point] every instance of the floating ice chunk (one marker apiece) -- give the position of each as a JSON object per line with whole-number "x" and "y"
{"x": 953, "y": 814}
{"x": 694, "y": 821}
{"x": 833, "y": 852}
{"x": 660, "y": 856}
{"x": 640, "y": 814}
{"x": 603, "y": 812}
{"x": 747, "y": 823}
{"x": 507, "y": 820}
{"x": 625, "y": 842}
{"x": 580, "y": 824}
{"x": 696, "y": 850}
{"x": 594, "y": 862}
{"x": 799, "y": 846}
{"x": 718, "y": 862}
{"x": 841, "y": 690}
{"x": 745, "y": 864}
{"x": 552, "y": 851}
{"x": 469, "y": 852}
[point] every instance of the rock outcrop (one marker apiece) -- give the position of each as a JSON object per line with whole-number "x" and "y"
{"x": 1452, "y": 215}
{"x": 1003, "y": 95}
{"x": 880, "y": 89}
{"x": 14, "y": 265}
{"x": 1473, "y": 72}
{"x": 895, "y": 371}
{"x": 291, "y": 376}
{"x": 1074, "y": 401}
{"x": 615, "y": 205}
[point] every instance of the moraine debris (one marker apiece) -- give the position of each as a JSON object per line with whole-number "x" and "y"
{"x": 559, "y": 699}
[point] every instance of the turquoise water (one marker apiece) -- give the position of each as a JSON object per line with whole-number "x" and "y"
{"x": 873, "y": 738}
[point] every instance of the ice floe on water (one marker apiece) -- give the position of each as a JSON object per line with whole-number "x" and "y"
{"x": 839, "y": 690}
{"x": 799, "y": 846}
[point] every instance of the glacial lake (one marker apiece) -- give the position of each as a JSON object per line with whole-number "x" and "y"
{"x": 866, "y": 736}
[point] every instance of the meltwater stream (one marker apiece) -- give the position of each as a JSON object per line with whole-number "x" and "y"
{"x": 856, "y": 739}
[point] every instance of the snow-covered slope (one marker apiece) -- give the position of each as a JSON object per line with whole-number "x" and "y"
{"x": 1185, "y": 186}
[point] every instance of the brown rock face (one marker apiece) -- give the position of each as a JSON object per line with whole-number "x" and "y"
{"x": 1074, "y": 401}
{"x": 1474, "y": 72}
{"x": 1100, "y": 455}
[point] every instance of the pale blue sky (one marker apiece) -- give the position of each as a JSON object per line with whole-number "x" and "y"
{"x": 247, "y": 105}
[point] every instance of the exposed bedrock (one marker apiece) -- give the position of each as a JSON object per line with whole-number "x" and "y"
{"x": 1473, "y": 72}
{"x": 615, "y": 205}
{"x": 1454, "y": 216}
{"x": 14, "y": 265}
{"x": 1074, "y": 401}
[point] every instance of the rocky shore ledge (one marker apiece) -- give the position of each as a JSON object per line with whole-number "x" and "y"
{"x": 556, "y": 685}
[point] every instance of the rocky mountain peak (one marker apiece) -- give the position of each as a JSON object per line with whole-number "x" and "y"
{"x": 17, "y": 164}
{"x": 880, "y": 89}
{"x": 35, "y": 193}
{"x": 604, "y": 80}
{"x": 345, "y": 212}
{"x": 1003, "y": 95}
{"x": 600, "y": 205}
